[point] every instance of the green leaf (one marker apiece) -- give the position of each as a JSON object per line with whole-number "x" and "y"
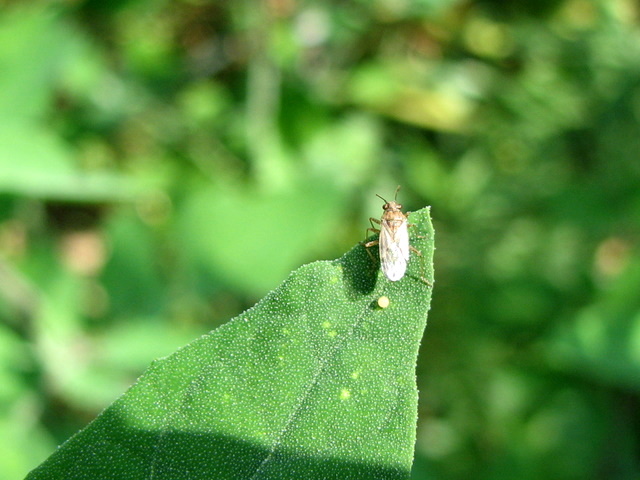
{"x": 35, "y": 46}
{"x": 216, "y": 219}
{"x": 36, "y": 163}
{"x": 315, "y": 381}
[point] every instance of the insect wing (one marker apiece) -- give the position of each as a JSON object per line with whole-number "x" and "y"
{"x": 394, "y": 250}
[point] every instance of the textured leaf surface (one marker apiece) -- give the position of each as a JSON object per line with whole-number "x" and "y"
{"x": 315, "y": 381}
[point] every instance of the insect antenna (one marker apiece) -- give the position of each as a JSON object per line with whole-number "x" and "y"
{"x": 395, "y": 196}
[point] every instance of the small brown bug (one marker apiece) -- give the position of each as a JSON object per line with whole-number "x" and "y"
{"x": 393, "y": 241}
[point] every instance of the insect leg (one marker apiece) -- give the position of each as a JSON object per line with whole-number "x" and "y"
{"x": 419, "y": 253}
{"x": 372, "y": 242}
{"x": 422, "y": 275}
{"x": 413, "y": 225}
{"x": 366, "y": 247}
{"x": 371, "y": 229}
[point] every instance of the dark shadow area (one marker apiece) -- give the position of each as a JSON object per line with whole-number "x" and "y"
{"x": 360, "y": 272}
{"x": 109, "y": 449}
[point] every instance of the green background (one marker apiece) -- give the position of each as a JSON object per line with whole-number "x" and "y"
{"x": 163, "y": 165}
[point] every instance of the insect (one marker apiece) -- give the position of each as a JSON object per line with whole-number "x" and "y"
{"x": 393, "y": 241}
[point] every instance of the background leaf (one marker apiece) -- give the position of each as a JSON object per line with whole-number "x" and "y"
{"x": 315, "y": 381}
{"x": 219, "y": 221}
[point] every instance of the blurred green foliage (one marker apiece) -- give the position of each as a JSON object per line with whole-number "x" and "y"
{"x": 165, "y": 163}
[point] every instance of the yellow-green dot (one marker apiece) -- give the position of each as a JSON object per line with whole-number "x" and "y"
{"x": 383, "y": 302}
{"x": 345, "y": 394}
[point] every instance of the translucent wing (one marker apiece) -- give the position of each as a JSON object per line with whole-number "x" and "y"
{"x": 394, "y": 249}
